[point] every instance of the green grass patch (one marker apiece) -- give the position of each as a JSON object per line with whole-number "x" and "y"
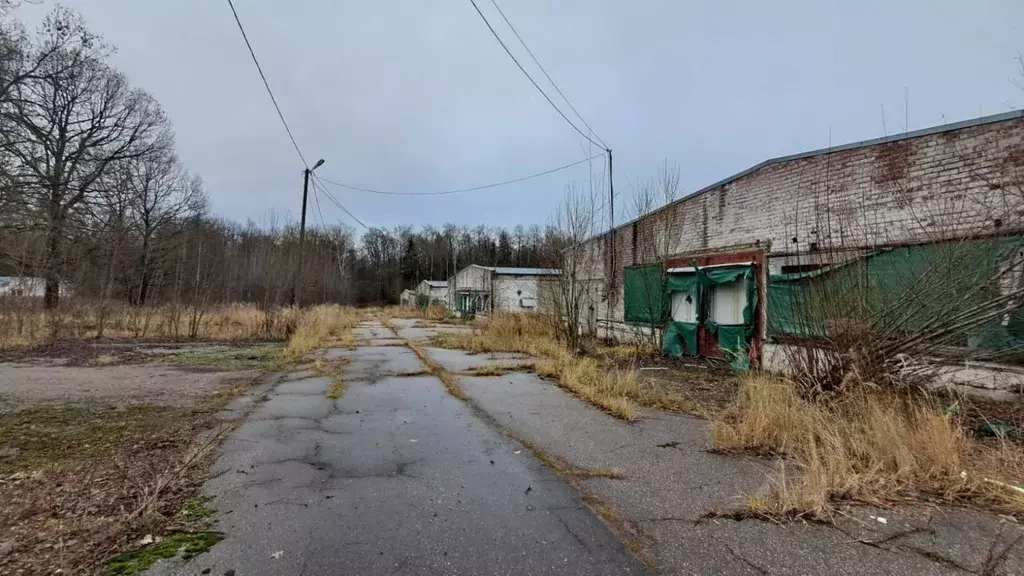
{"x": 264, "y": 358}
{"x": 189, "y": 544}
{"x": 48, "y": 435}
{"x": 196, "y": 509}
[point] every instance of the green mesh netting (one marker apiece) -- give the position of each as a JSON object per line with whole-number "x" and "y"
{"x": 644, "y": 300}
{"x": 902, "y": 290}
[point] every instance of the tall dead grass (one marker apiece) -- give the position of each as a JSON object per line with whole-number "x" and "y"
{"x": 28, "y": 326}
{"x": 434, "y": 312}
{"x": 867, "y": 445}
{"x": 617, "y": 391}
{"x": 326, "y": 324}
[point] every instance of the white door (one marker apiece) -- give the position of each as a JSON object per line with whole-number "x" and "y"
{"x": 728, "y": 302}
{"x": 684, "y": 307}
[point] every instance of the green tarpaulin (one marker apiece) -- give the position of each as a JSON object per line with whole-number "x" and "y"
{"x": 725, "y": 275}
{"x": 680, "y": 338}
{"x": 644, "y": 300}
{"x": 683, "y": 282}
{"x": 901, "y": 290}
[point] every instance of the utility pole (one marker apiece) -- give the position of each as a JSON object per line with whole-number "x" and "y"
{"x": 294, "y": 299}
{"x": 611, "y": 239}
{"x": 455, "y": 275}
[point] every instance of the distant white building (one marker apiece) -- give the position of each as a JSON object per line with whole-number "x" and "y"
{"x": 25, "y": 286}
{"x": 485, "y": 289}
{"x": 432, "y": 292}
{"x": 407, "y": 298}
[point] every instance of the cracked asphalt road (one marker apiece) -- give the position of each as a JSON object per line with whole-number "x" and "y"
{"x": 394, "y": 477}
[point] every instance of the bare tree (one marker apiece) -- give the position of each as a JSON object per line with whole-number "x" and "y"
{"x": 572, "y": 296}
{"x": 655, "y": 232}
{"x": 162, "y": 197}
{"x": 69, "y": 123}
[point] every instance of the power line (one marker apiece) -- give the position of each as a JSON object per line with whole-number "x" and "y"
{"x": 473, "y": 189}
{"x": 316, "y": 199}
{"x": 267, "y": 84}
{"x": 317, "y": 182}
{"x": 532, "y": 81}
{"x": 546, "y": 75}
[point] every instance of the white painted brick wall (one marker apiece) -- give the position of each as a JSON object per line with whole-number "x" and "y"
{"x": 968, "y": 181}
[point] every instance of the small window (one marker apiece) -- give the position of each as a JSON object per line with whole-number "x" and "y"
{"x": 728, "y": 302}
{"x": 684, "y": 307}
{"x": 528, "y": 302}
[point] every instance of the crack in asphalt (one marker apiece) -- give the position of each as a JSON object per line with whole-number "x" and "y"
{"x": 747, "y": 561}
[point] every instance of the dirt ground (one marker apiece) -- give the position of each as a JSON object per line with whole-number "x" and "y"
{"x": 119, "y": 374}
{"x": 99, "y": 450}
{"x": 24, "y": 384}
{"x": 709, "y": 384}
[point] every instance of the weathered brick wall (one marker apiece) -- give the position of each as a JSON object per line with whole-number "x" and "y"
{"x": 948, "y": 184}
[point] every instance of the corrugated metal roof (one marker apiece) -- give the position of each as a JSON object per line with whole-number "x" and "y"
{"x": 524, "y": 271}
{"x": 437, "y": 283}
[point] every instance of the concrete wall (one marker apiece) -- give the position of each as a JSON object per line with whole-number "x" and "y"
{"x": 988, "y": 379}
{"x": 509, "y": 290}
{"x": 924, "y": 188}
{"x": 407, "y": 298}
{"x": 471, "y": 278}
{"x": 436, "y": 295}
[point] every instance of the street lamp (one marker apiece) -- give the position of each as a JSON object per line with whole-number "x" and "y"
{"x": 302, "y": 230}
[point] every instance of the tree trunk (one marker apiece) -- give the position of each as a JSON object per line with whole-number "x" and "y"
{"x": 51, "y": 290}
{"x": 144, "y": 279}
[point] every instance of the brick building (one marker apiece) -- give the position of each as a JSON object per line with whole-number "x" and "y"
{"x": 711, "y": 256}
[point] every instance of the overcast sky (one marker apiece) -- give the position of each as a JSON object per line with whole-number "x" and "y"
{"x": 416, "y": 95}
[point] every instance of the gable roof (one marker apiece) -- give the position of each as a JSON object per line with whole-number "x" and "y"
{"x": 437, "y": 283}
{"x": 514, "y": 271}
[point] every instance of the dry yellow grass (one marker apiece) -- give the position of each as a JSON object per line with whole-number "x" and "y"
{"x": 22, "y": 327}
{"x": 616, "y": 391}
{"x": 437, "y": 370}
{"x": 624, "y": 353}
{"x": 434, "y": 312}
{"x": 497, "y": 370}
{"x": 326, "y": 324}
{"x": 337, "y": 389}
{"x": 867, "y": 445}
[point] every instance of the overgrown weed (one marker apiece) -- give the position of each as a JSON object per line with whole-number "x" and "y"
{"x": 869, "y": 445}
